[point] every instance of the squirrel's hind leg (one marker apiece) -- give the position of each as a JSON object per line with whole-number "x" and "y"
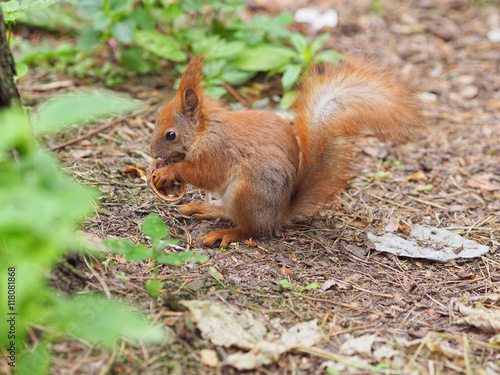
{"x": 203, "y": 210}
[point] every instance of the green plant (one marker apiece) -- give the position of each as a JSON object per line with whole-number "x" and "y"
{"x": 427, "y": 188}
{"x": 157, "y": 231}
{"x": 306, "y": 52}
{"x": 288, "y": 285}
{"x": 145, "y": 33}
{"x": 40, "y": 208}
{"x": 379, "y": 175}
{"x": 15, "y": 9}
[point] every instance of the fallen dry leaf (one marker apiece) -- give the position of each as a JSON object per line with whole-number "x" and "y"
{"x": 420, "y": 176}
{"x": 78, "y": 154}
{"x": 132, "y": 171}
{"x": 209, "y": 357}
{"x": 483, "y": 182}
{"x": 429, "y": 243}
{"x": 286, "y": 271}
{"x": 227, "y": 327}
{"x": 334, "y": 282}
{"x": 486, "y": 320}
{"x": 393, "y": 224}
{"x": 358, "y": 345}
{"x": 223, "y": 327}
{"x": 353, "y": 278}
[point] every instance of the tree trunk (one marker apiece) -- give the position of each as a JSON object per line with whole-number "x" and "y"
{"x": 9, "y": 96}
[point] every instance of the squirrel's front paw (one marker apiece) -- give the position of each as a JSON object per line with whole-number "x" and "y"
{"x": 163, "y": 177}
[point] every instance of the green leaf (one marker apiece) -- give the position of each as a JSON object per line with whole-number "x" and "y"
{"x": 234, "y": 76}
{"x": 153, "y": 287}
{"x": 89, "y": 8}
{"x": 180, "y": 259}
{"x": 15, "y": 9}
{"x": 214, "y": 68}
{"x": 155, "y": 228}
{"x": 132, "y": 60}
{"x": 143, "y": 18}
{"x": 288, "y": 99}
{"x": 101, "y": 20}
{"x": 290, "y": 76}
{"x": 263, "y": 58}
{"x": 12, "y": 10}
{"x": 21, "y": 69}
{"x": 117, "y": 6}
{"x": 215, "y": 92}
{"x": 124, "y": 30}
{"x": 299, "y": 42}
{"x": 18, "y": 135}
{"x": 88, "y": 39}
{"x": 94, "y": 318}
{"x": 313, "y": 285}
{"x": 191, "y": 6}
{"x": 36, "y": 4}
{"x": 171, "y": 11}
{"x": 160, "y": 44}
{"x": 132, "y": 252}
{"x": 318, "y": 43}
{"x": 37, "y": 362}
{"x": 79, "y": 107}
{"x": 225, "y": 49}
{"x": 287, "y": 284}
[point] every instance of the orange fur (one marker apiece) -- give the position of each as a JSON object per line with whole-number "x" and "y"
{"x": 266, "y": 171}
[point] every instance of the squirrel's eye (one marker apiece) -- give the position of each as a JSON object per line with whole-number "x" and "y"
{"x": 170, "y": 136}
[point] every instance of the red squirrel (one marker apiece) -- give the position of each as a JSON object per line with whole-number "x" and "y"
{"x": 266, "y": 171}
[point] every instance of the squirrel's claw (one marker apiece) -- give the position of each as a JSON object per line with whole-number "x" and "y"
{"x": 163, "y": 177}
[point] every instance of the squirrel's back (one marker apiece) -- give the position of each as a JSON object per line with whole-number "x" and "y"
{"x": 336, "y": 103}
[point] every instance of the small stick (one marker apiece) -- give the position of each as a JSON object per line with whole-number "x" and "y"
{"x": 93, "y": 132}
{"x": 235, "y": 94}
{"x": 369, "y": 291}
{"x": 347, "y": 330}
{"x": 392, "y": 202}
{"x": 432, "y": 204}
{"x": 98, "y": 277}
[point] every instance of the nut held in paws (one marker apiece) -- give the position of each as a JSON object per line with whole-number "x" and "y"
{"x": 171, "y": 193}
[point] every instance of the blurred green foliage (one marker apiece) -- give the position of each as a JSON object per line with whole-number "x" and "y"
{"x": 40, "y": 208}
{"x": 143, "y": 33}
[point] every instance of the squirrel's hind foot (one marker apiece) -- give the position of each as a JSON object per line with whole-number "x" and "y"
{"x": 226, "y": 236}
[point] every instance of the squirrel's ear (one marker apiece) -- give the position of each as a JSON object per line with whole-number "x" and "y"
{"x": 190, "y": 103}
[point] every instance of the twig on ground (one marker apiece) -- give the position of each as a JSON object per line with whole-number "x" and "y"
{"x": 235, "y": 94}
{"x": 93, "y": 132}
{"x": 392, "y": 202}
{"x": 98, "y": 277}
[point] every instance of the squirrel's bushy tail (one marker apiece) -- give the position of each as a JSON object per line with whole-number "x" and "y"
{"x": 361, "y": 95}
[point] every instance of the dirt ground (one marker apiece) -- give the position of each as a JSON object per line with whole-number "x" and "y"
{"x": 409, "y": 312}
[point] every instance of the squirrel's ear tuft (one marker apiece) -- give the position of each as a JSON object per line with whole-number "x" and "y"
{"x": 192, "y": 76}
{"x": 190, "y": 88}
{"x": 190, "y": 103}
